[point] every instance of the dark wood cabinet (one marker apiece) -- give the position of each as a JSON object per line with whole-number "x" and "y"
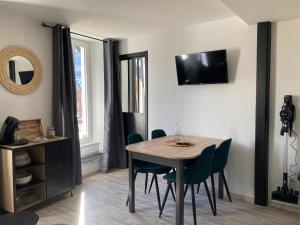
{"x": 51, "y": 168}
{"x": 59, "y": 168}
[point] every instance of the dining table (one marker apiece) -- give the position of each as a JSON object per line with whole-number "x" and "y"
{"x": 165, "y": 151}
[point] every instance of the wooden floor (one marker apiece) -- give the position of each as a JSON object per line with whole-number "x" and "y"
{"x": 101, "y": 200}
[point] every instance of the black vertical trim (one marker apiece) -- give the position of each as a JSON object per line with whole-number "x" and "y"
{"x": 262, "y": 112}
{"x": 12, "y": 70}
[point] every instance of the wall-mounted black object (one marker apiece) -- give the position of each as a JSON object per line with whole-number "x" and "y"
{"x": 287, "y": 118}
{"x": 202, "y": 68}
{"x": 262, "y": 113}
{"x": 287, "y": 115}
{"x": 8, "y": 130}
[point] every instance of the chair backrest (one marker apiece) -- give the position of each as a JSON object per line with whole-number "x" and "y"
{"x": 221, "y": 156}
{"x": 134, "y": 138}
{"x": 158, "y": 133}
{"x": 201, "y": 168}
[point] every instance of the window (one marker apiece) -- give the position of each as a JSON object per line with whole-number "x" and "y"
{"x": 82, "y": 64}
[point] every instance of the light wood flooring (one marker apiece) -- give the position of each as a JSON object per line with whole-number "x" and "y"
{"x": 101, "y": 201}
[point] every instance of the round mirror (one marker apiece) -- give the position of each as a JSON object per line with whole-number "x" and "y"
{"x": 20, "y": 70}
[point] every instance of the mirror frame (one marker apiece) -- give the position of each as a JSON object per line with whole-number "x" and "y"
{"x": 15, "y": 50}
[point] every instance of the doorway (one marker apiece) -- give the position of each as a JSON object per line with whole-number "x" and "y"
{"x": 134, "y": 86}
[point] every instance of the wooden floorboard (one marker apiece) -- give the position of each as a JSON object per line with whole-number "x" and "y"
{"x": 101, "y": 201}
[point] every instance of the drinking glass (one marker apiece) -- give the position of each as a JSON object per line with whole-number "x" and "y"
{"x": 178, "y": 134}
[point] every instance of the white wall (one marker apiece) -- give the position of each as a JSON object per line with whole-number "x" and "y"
{"x": 17, "y": 30}
{"x": 285, "y": 80}
{"x": 222, "y": 110}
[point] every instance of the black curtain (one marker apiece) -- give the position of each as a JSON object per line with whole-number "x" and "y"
{"x": 64, "y": 94}
{"x": 114, "y": 143}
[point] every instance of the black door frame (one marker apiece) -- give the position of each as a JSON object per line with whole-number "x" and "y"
{"x": 140, "y": 55}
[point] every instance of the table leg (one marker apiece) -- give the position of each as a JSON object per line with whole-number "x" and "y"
{"x": 131, "y": 183}
{"x": 179, "y": 193}
{"x": 221, "y": 187}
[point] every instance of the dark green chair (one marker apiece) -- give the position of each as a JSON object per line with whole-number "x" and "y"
{"x": 219, "y": 164}
{"x": 199, "y": 171}
{"x": 145, "y": 167}
{"x": 136, "y": 138}
{"x": 158, "y": 133}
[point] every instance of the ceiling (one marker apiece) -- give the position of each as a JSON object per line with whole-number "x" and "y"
{"x": 254, "y": 11}
{"x": 124, "y": 18}
{"x": 120, "y": 18}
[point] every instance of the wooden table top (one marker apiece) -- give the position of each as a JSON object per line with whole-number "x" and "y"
{"x": 30, "y": 144}
{"x": 162, "y": 147}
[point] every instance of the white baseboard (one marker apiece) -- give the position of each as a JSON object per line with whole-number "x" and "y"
{"x": 90, "y": 168}
{"x": 240, "y": 197}
{"x": 271, "y": 203}
{"x": 284, "y": 206}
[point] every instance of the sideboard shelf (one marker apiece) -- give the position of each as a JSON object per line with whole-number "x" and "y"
{"x": 31, "y": 184}
{"x": 51, "y": 168}
{"x": 31, "y": 165}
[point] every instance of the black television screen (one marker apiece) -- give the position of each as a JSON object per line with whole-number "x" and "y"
{"x": 202, "y": 68}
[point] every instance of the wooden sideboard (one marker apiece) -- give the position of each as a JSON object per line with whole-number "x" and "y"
{"x": 51, "y": 168}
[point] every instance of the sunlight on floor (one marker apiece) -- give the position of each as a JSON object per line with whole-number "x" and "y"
{"x": 81, "y": 210}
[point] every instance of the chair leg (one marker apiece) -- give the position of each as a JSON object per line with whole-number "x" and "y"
{"x": 213, "y": 192}
{"x": 226, "y": 186}
{"x": 151, "y": 184}
{"x": 209, "y": 198}
{"x": 146, "y": 182}
{"x": 157, "y": 191}
{"x": 173, "y": 193}
{"x": 185, "y": 190}
{"x": 194, "y": 205}
{"x": 127, "y": 202}
{"x": 165, "y": 198}
{"x": 198, "y": 188}
{"x": 173, "y": 170}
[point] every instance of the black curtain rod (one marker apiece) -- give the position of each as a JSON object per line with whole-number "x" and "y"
{"x": 82, "y": 35}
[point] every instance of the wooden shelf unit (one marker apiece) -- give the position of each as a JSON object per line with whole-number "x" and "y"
{"x": 51, "y": 168}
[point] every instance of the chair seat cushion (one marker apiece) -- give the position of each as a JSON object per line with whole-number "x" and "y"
{"x": 172, "y": 176}
{"x": 216, "y": 170}
{"x": 186, "y": 177}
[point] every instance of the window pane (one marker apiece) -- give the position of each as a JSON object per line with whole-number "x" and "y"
{"x": 137, "y": 83}
{"x": 79, "y": 54}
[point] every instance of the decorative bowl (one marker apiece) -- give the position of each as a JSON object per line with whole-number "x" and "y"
{"x": 23, "y": 162}
{"x": 23, "y": 178}
{"x": 21, "y": 155}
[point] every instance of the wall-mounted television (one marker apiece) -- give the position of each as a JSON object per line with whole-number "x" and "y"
{"x": 202, "y": 68}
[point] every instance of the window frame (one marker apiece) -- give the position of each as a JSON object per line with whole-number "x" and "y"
{"x": 89, "y": 138}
